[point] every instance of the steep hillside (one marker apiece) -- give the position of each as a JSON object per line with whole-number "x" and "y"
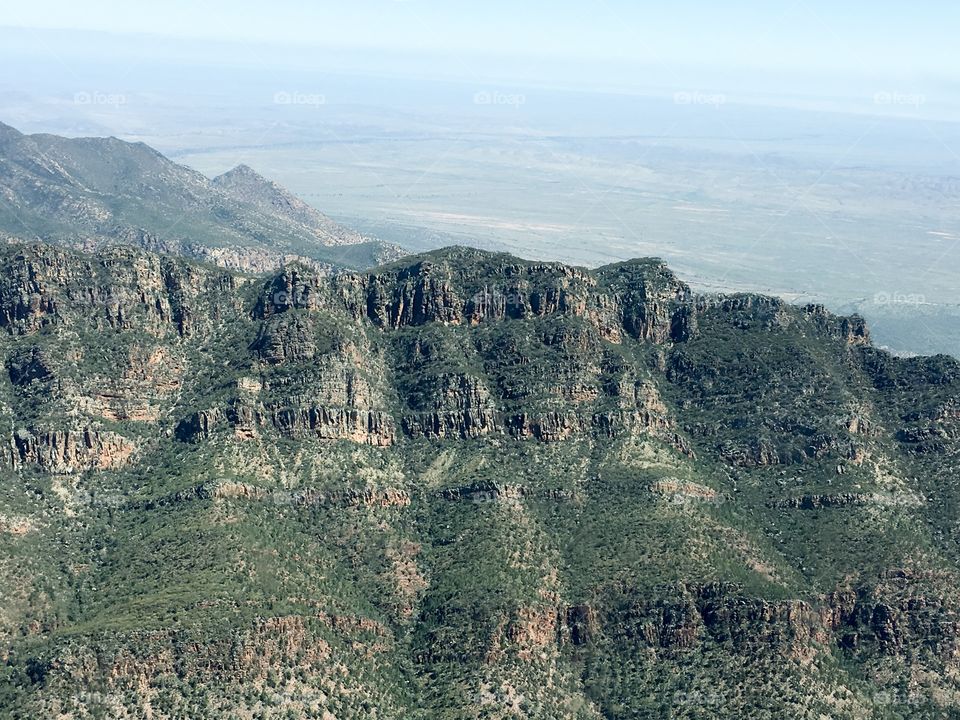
{"x": 464, "y": 485}
{"x": 245, "y": 185}
{"x": 93, "y": 192}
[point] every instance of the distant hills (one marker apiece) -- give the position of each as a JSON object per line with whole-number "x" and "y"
{"x": 93, "y": 192}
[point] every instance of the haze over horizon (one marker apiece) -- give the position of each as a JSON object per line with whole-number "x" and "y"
{"x": 814, "y": 49}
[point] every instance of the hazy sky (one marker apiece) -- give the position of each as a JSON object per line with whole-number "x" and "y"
{"x": 886, "y": 37}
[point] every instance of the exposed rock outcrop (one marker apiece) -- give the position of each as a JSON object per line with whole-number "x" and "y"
{"x": 68, "y": 451}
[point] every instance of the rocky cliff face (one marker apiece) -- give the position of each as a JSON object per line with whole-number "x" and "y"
{"x": 122, "y": 290}
{"x": 464, "y": 486}
{"x": 66, "y": 451}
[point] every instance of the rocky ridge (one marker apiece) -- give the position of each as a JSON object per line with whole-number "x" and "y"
{"x": 554, "y": 492}
{"x": 90, "y": 193}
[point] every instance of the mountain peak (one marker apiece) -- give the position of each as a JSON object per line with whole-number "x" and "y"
{"x": 246, "y": 185}
{"x": 240, "y": 171}
{"x": 244, "y": 176}
{"x": 8, "y": 132}
{"x": 239, "y": 219}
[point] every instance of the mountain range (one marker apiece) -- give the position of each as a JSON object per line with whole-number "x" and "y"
{"x": 456, "y": 485}
{"x": 92, "y": 192}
